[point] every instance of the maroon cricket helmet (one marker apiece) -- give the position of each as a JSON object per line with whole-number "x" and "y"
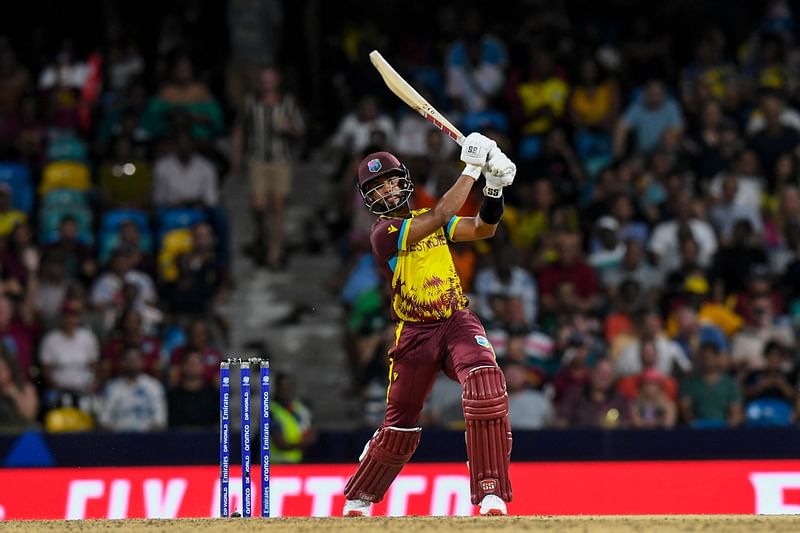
{"x": 380, "y": 165}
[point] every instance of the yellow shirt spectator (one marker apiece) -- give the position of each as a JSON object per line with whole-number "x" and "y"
{"x": 534, "y": 95}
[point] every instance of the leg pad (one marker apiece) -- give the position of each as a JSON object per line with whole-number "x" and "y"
{"x": 384, "y": 456}
{"x": 488, "y": 435}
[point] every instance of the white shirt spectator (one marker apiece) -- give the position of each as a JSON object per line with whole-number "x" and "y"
{"x": 748, "y": 190}
{"x": 71, "y": 358}
{"x": 521, "y": 285}
{"x": 529, "y": 409}
{"x": 354, "y": 134}
{"x": 669, "y": 356}
{"x": 108, "y": 286}
{"x": 134, "y": 405}
{"x": 177, "y": 183}
{"x": 664, "y": 243}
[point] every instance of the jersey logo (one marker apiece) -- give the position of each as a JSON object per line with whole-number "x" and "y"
{"x": 483, "y": 341}
{"x": 391, "y": 229}
{"x": 374, "y": 165}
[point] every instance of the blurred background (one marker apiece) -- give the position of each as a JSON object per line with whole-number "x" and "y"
{"x": 177, "y": 187}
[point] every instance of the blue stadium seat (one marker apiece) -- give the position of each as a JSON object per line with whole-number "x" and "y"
{"x": 108, "y": 237}
{"x": 170, "y": 218}
{"x": 65, "y": 198}
{"x": 768, "y": 412}
{"x": 67, "y": 148}
{"x": 50, "y": 218}
{"x": 18, "y": 176}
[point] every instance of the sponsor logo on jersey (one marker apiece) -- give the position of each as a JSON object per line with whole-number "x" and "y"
{"x": 374, "y": 165}
{"x": 483, "y": 341}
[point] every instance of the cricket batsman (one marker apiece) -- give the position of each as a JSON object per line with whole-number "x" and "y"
{"x": 435, "y": 331}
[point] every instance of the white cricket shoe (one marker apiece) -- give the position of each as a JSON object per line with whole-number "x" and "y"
{"x": 492, "y": 505}
{"x": 356, "y": 508}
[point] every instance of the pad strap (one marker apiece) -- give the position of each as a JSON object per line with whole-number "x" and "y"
{"x": 384, "y": 456}
{"x": 488, "y": 434}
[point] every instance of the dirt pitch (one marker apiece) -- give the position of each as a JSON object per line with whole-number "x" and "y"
{"x": 583, "y": 524}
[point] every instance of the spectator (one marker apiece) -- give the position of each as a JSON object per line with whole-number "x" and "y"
{"x": 443, "y": 407}
{"x": 608, "y": 251}
{"x": 185, "y": 177}
{"x": 513, "y": 284}
{"x": 633, "y": 267}
{"x": 570, "y": 283}
{"x": 772, "y": 382}
{"x": 135, "y": 401}
{"x": 267, "y": 133}
{"x": 78, "y": 257}
{"x": 18, "y": 328}
{"x": 652, "y": 349}
{"x": 667, "y": 236}
{"x": 19, "y": 253}
{"x": 727, "y": 213}
{"x": 749, "y": 345}
{"x": 130, "y": 331}
{"x": 648, "y": 118}
{"x": 593, "y": 108}
{"x": 712, "y": 398}
{"x": 109, "y": 293}
{"x": 19, "y": 403}
{"x": 775, "y": 138}
{"x": 69, "y": 355}
{"x": 9, "y": 216}
{"x": 527, "y": 408}
{"x": 630, "y": 384}
{"x": 199, "y": 340}
{"x": 184, "y": 102}
{"x": 692, "y": 333}
{"x": 194, "y": 401}
{"x": 292, "y": 430}
{"x": 356, "y": 129}
{"x": 597, "y": 404}
{"x": 653, "y": 407}
{"x": 52, "y": 288}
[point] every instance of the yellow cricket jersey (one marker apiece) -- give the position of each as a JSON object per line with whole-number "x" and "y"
{"x": 425, "y": 285}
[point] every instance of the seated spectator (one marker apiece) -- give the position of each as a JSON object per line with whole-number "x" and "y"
{"x": 577, "y": 361}
{"x": 633, "y": 267}
{"x": 134, "y": 401}
{"x": 69, "y": 354}
{"x": 184, "y": 102}
{"x": 356, "y": 129}
{"x": 749, "y": 346}
{"x": 52, "y": 288}
{"x": 78, "y": 257}
{"x": 184, "y": 177}
{"x": 19, "y": 403}
{"x": 130, "y": 331}
{"x": 667, "y": 236}
{"x": 18, "y": 330}
{"x": 648, "y": 118}
{"x": 775, "y": 138}
{"x": 593, "y": 108}
{"x": 194, "y": 401}
{"x": 595, "y": 405}
{"x": 19, "y": 254}
{"x": 108, "y": 295}
{"x": 443, "y": 407}
{"x": 530, "y": 348}
{"x": 199, "y": 340}
{"x": 729, "y": 217}
{"x": 9, "y": 216}
{"x": 771, "y": 382}
{"x": 607, "y": 250}
{"x": 527, "y": 408}
{"x": 130, "y": 238}
{"x": 692, "y": 333}
{"x": 291, "y": 426}
{"x": 558, "y": 162}
{"x": 630, "y": 384}
{"x": 653, "y": 406}
{"x": 652, "y": 349}
{"x": 711, "y": 398}
{"x": 507, "y": 280}
{"x": 570, "y": 283}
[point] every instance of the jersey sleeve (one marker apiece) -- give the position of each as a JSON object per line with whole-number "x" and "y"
{"x": 389, "y": 236}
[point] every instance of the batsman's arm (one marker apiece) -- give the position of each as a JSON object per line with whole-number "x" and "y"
{"x": 444, "y": 210}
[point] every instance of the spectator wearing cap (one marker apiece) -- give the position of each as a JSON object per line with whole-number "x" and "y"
{"x": 9, "y": 217}
{"x": 711, "y": 398}
{"x": 607, "y": 249}
{"x": 134, "y": 401}
{"x": 570, "y": 283}
{"x": 595, "y": 405}
{"x": 653, "y": 406}
{"x": 510, "y": 282}
{"x": 528, "y": 408}
{"x": 69, "y": 354}
{"x": 647, "y": 117}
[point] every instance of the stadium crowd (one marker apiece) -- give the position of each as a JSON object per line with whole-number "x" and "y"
{"x": 645, "y": 273}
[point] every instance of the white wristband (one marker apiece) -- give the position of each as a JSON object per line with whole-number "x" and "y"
{"x": 493, "y": 192}
{"x": 473, "y": 171}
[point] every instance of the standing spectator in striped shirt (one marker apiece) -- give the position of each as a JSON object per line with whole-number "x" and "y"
{"x": 265, "y": 136}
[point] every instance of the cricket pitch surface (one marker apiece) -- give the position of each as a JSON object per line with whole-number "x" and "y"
{"x": 583, "y": 524}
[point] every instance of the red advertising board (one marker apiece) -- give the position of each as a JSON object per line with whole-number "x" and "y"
{"x": 684, "y": 487}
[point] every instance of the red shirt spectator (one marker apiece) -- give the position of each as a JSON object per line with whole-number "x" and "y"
{"x": 130, "y": 332}
{"x": 569, "y": 283}
{"x": 199, "y": 340}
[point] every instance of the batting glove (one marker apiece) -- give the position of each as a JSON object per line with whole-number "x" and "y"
{"x": 474, "y": 153}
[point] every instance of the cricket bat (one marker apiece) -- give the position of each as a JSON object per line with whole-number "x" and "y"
{"x": 412, "y": 98}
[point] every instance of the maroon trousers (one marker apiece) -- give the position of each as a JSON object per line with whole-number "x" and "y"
{"x": 421, "y": 350}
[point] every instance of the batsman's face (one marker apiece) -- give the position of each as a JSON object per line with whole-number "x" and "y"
{"x": 389, "y": 191}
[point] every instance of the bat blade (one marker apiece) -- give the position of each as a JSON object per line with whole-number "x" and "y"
{"x": 412, "y": 98}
